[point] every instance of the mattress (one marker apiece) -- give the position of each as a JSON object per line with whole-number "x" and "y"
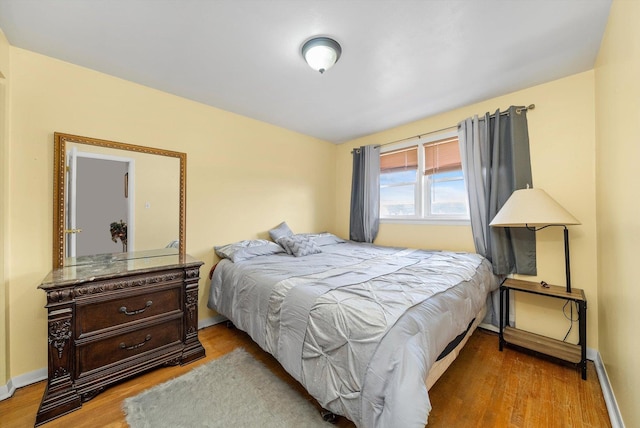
{"x": 359, "y": 326}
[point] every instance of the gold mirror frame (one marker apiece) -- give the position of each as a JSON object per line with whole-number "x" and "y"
{"x": 59, "y": 170}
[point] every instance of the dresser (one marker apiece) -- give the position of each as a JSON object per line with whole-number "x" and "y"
{"x": 111, "y": 317}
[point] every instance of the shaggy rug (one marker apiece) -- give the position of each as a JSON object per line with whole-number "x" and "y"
{"x": 234, "y": 390}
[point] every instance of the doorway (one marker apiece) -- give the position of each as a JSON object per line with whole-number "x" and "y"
{"x": 101, "y": 192}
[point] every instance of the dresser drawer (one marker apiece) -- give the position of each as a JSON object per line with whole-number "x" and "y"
{"x": 124, "y": 346}
{"x": 91, "y": 317}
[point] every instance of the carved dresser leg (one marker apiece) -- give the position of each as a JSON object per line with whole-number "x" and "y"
{"x": 60, "y": 397}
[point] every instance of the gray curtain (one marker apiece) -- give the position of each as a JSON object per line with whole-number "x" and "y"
{"x": 365, "y": 194}
{"x": 496, "y": 162}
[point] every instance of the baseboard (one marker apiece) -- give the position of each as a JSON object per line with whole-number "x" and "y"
{"x": 20, "y": 381}
{"x": 7, "y": 390}
{"x": 489, "y": 327}
{"x": 211, "y": 321}
{"x": 607, "y": 391}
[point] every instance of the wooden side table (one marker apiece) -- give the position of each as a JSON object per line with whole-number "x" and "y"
{"x": 576, "y": 354}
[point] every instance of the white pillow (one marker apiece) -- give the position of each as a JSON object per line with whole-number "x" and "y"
{"x": 245, "y": 250}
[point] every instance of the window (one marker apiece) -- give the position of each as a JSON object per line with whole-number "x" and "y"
{"x": 423, "y": 181}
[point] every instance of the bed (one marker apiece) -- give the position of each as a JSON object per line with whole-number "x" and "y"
{"x": 365, "y": 329}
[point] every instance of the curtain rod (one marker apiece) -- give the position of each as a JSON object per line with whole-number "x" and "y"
{"x": 504, "y": 113}
{"x": 518, "y": 111}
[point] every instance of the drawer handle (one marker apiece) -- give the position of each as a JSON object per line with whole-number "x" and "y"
{"x": 123, "y": 309}
{"x": 144, "y": 342}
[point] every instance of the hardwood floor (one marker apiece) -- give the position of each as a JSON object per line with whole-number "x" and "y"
{"x": 482, "y": 388}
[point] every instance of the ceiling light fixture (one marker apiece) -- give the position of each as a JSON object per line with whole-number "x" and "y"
{"x": 321, "y": 53}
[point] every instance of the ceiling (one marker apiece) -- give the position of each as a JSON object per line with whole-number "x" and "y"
{"x": 402, "y": 60}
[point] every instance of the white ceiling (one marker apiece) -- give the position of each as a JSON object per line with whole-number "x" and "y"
{"x": 401, "y": 60}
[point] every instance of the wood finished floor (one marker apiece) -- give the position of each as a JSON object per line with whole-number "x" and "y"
{"x": 482, "y": 388}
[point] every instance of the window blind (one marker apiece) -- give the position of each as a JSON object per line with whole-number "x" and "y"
{"x": 399, "y": 160}
{"x": 442, "y": 156}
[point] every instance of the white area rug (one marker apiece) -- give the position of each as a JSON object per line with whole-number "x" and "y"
{"x": 233, "y": 391}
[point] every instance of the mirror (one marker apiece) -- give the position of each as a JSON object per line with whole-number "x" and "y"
{"x": 112, "y": 197}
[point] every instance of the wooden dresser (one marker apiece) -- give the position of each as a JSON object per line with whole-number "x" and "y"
{"x": 111, "y": 317}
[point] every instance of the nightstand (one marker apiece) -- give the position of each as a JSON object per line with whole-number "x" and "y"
{"x": 576, "y": 354}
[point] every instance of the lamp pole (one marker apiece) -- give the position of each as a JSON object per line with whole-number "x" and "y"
{"x": 566, "y": 258}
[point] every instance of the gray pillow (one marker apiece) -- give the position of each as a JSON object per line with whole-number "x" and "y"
{"x": 324, "y": 238}
{"x": 279, "y": 231}
{"x": 245, "y": 250}
{"x": 299, "y": 245}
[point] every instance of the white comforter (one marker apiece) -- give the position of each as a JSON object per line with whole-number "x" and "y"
{"x": 358, "y": 325}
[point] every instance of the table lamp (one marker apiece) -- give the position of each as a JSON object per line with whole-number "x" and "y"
{"x": 534, "y": 209}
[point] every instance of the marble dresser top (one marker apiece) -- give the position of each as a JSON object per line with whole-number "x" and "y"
{"x": 105, "y": 266}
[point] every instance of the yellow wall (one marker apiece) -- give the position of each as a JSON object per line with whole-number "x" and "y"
{"x": 4, "y": 186}
{"x": 618, "y": 204}
{"x": 157, "y": 194}
{"x": 243, "y": 176}
{"x": 562, "y": 141}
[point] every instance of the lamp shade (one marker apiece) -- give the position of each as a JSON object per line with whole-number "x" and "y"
{"x": 321, "y": 53}
{"x": 532, "y": 207}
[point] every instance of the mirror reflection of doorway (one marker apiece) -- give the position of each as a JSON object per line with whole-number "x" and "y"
{"x": 101, "y": 192}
